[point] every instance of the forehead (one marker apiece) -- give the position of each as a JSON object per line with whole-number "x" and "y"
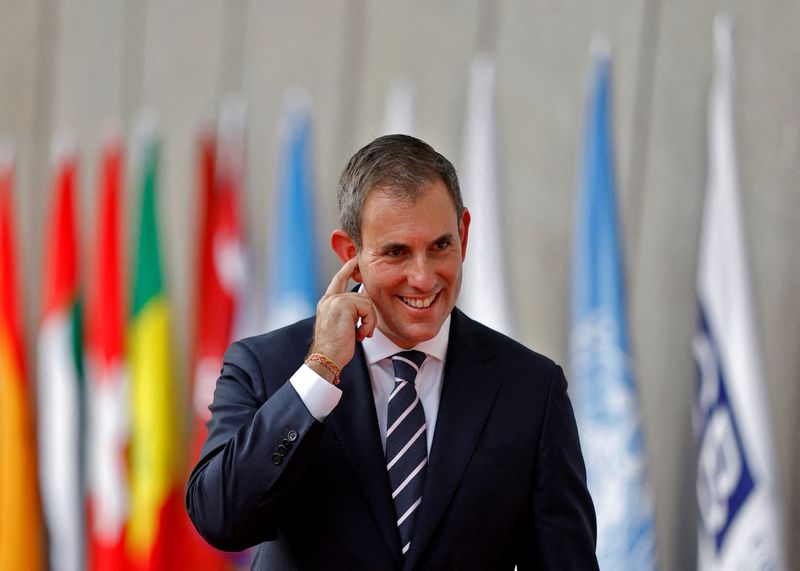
{"x": 428, "y": 211}
{"x": 399, "y": 196}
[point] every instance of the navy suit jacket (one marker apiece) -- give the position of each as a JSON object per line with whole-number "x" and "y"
{"x": 505, "y": 483}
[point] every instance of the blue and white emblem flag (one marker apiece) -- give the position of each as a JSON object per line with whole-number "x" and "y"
{"x": 739, "y": 525}
{"x": 292, "y": 281}
{"x": 602, "y": 384}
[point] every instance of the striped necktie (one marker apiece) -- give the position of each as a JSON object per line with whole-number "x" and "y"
{"x": 406, "y": 443}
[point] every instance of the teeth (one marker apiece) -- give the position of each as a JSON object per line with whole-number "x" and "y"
{"x": 419, "y": 303}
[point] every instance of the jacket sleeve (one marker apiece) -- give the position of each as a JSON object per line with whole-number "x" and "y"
{"x": 563, "y": 516}
{"x": 257, "y": 446}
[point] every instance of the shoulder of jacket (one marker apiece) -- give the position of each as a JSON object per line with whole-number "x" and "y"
{"x": 499, "y": 345}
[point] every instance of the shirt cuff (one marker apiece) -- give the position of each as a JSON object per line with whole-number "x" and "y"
{"x": 319, "y": 396}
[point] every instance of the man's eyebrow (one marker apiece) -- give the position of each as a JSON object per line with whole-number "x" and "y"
{"x": 392, "y": 246}
{"x": 399, "y": 245}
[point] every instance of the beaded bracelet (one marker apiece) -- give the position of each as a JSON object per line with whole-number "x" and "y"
{"x": 328, "y": 363}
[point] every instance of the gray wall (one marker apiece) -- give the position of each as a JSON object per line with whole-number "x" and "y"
{"x": 85, "y": 65}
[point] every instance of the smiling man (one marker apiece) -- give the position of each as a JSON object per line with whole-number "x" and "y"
{"x": 390, "y": 431}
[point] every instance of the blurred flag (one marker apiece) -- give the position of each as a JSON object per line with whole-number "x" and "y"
{"x": 60, "y": 387}
{"x": 157, "y": 457}
{"x": 399, "y": 111}
{"x": 484, "y": 295}
{"x": 292, "y": 290}
{"x": 604, "y": 393}
{"x": 222, "y": 262}
{"x": 106, "y": 372}
{"x": 739, "y": 525}
{"x": 213, "y": 303}
{"x": 21, "y": 531}
{"x": 221, "y": 279}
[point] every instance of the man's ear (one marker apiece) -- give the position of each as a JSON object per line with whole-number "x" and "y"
{"x": 345, "y": 249}
{"x": 463, "y": 232}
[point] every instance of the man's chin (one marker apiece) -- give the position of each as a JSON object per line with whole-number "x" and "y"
{"x": 408, "y": 337}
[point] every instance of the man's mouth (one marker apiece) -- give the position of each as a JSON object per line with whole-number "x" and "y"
{"x": 419, "y": 303}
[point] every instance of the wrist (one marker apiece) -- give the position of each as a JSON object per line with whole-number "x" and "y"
{"x": 324, "y": 366}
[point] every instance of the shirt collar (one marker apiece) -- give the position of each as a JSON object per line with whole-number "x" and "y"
{"x": 379, "y": 346}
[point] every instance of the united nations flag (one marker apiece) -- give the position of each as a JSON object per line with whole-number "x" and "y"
{"x": 603, "y": 388}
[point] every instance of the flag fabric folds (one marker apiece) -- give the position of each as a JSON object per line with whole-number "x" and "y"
{"x": 106, "y": 374}
{"x": 221, "y": 280}
{"x": 214, "y": 305}
{"x": 292, "y": 283}
{"x": 222, "y": 262}
{"x": 21, "y": 532}
{"x": 60, "y": 385}
{"x": 156, "y": 499}
{"x": 602, "y": 384}
{"x": 484, "y": 294}
{"x": 739, "y": 524}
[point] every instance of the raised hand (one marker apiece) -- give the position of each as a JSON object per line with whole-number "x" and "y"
{"x": 338, "y": 311}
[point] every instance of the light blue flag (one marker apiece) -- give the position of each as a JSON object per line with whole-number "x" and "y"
{"x": 292, "y": 281}
{"x": 602, "y": 384}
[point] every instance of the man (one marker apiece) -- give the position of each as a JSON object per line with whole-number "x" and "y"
{"x": 391, "y": 431}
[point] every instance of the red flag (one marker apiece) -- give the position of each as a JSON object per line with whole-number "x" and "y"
{"x": 214, "y": 304}
{"x": 21, "y": 532}
{"x": 219, "y": 284}
{"x": 108, "y": 418}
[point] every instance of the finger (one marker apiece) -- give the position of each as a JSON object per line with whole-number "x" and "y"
{"x": 339, "y": 282}
{"x": 364, "y": 331}
{"x": 362, "y": 305}
{"x": 368, "y": 320}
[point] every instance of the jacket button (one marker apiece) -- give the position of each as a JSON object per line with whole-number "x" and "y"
{"x": 292, "y": 435}
{"x": 285, "y": 442}
{"x": 282, "y": 449}
{"x": 277, "y": 458}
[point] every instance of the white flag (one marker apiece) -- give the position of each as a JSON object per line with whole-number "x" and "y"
{"x": 60, "y": 375}
{"x": 484, "y": 295}
{"x": 739, "y": 525}
{"x": 399, "y": 110}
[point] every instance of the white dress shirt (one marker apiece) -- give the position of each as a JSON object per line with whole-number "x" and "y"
{"x": 321, "y": 397}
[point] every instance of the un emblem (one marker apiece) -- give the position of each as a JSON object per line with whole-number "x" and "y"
{"x": 724, "y": 480}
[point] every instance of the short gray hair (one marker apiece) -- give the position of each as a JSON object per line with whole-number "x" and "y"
{"x": 398, "y": 164}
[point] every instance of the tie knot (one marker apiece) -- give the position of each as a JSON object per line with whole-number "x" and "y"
{"x": 407, "y": 364}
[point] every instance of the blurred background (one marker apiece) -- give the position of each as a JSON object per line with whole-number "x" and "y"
{"x": 81, "y": 70}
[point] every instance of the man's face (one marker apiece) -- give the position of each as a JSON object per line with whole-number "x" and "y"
{"x": 410, "y": 261}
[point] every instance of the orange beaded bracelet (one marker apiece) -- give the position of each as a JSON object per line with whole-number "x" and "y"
{"x": 328, "y": 363}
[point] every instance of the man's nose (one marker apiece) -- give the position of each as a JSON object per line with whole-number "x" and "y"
{"x": 421, "y": 274}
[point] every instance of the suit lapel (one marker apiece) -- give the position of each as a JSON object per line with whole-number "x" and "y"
{"x": 468, "y": 394}
{"x": 356, "y": 426}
